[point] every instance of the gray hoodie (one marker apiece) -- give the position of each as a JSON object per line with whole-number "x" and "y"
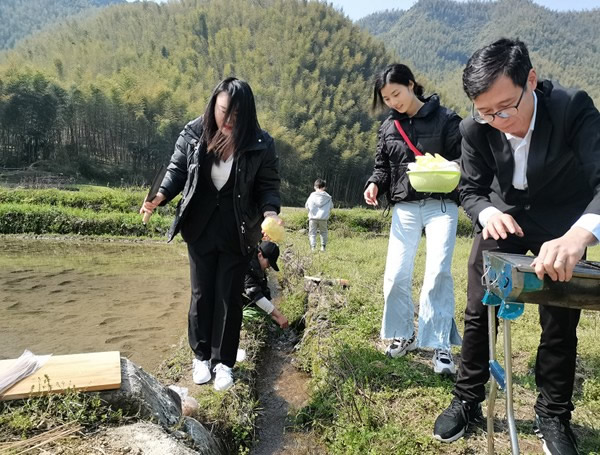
{"x": 319, "y": 205}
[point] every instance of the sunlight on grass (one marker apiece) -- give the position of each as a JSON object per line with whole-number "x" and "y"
{"x": 364, "y": 402}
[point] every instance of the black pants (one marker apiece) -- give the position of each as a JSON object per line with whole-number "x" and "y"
{"x": 215, "y": 316}
{"x": 555, "y": 362}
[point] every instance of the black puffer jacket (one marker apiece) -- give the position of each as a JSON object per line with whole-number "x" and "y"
{"x": 433, "y": 129}
{"x": 256, "y": 187}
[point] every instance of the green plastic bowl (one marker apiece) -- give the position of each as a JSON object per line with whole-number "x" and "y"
{"x": 434, "y": 181}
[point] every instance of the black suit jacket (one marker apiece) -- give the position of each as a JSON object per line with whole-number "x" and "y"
{"x": 563, "y": 166}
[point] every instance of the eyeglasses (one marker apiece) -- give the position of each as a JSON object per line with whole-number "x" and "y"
{"x": 503, "y": 114}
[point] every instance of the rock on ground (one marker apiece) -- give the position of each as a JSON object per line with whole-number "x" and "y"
{"x": 144, "y": 438}
{"x": 144, "y": 396}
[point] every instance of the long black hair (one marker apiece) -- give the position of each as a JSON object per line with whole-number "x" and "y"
{"x": 503, "y": 57}
{"x": 396, "y": 73}
{"x": 242, "y": 108}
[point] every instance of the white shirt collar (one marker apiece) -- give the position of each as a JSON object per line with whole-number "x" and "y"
{"x": 531, "y": 124}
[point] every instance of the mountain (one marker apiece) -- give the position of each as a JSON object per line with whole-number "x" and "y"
{"x": 438, "y": 36}
{"x": 20, "y": 18}
{"x": 113, "y": 91}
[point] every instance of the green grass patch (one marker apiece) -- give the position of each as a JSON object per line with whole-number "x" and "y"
{"x": 230, "y": 414}
{"x": 359, "y": 220}
{"x": 27, "y": 418}
{"x": 48, "y": 210}
{"x": 364, "y": 402}
{"x": 92, "y": 198}
{"x": 89, "y": 197}
{"x": 20, "y": 218}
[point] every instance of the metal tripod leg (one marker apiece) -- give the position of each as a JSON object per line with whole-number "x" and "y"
{"x": 510, "y": 414}
{"x": 491, "y": 402}
{"x": 500, "y": 377}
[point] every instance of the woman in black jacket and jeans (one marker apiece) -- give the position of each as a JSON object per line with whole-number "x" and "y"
{"x": 432, "y": 129}
{"x": 226, "y": 168}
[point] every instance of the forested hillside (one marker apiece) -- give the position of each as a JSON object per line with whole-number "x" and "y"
{"x": 438, "y": 37}
{"x": 117, "y": 88}
{"x": 20, "y": 18}
{"x": 104, "y": 97}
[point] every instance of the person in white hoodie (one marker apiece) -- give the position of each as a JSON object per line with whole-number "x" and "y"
{"x": 319, "y": 206}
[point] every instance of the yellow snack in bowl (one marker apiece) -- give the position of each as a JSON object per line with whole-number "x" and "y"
{"x": 272, "y": 229}
{"x": 433, "y": 174}
{"x": 430, "y": 162}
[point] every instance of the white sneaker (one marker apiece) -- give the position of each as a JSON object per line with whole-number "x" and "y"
{"x": 201, "y": 374}
{"x": 400, "y": 346}
{"x": 442, "y": 362}
{"x": 223, "y": 377}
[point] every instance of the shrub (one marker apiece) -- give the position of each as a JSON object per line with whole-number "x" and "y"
{"x": 47, "y": 219}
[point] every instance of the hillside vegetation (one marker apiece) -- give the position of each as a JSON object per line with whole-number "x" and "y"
{"x": 103, "y": 98}
{"x": 116, "y": 89}
{"x": 439, "y": 36}
{"x": 20, "y": 18}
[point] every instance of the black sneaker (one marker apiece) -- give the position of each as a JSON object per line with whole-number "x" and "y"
{"x": 557, "y": 436}
{"x": 452, "y": 423}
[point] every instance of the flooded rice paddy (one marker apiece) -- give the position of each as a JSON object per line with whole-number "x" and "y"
{"x": 66, "y": 296}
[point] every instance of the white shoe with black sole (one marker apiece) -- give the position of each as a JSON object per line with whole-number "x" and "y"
{"x": 400, "y": 346}
{"x": 443, "y": 362}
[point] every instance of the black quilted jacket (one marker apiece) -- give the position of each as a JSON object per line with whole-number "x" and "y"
{"x": 256, "y": 188}
{"x": 433, "y": 129}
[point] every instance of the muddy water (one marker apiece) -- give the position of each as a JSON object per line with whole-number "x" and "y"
{"x": 282, "y": 391}
{"x": 70, "y": 296}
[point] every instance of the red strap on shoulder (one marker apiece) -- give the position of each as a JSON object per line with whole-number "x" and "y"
{"x": 414, "y": 149}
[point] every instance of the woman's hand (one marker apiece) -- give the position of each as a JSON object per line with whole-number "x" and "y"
{"x": 371, "y": 194}
{"x": 149, "y": 206}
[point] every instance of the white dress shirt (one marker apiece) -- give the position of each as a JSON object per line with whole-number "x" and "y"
{"x": 520, "y": 148}
{"x": 220, "y": 172}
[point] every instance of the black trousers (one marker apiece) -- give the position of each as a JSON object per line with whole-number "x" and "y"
{"x": 555, "y": 362}
{"x": 215, "y": 316}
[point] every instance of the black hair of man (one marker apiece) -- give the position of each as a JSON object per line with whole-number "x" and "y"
{"x": 503, "y": 57}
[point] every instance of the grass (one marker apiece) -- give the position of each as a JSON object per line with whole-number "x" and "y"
{"x": 23, "y": 419}
{"x": 364, "y": 402}
{"x": 96, "y": 210}
{"x": 232, "y": 414}
{"x": 361, "y": 401}
{"x": 80, "y": 210}
{"x": 368, "y": 221}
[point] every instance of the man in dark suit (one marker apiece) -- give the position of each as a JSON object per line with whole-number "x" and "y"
{"x": 531, "y": 181}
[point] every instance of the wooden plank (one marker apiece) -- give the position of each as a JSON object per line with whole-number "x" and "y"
{"x": 84, "y": 372}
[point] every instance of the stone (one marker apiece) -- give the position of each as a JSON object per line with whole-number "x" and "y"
{"x": 142, "y": 395}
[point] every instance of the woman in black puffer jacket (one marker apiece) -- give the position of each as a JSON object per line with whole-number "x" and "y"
{"x": 431, "y": 128}
{"x": 226, "y": 168}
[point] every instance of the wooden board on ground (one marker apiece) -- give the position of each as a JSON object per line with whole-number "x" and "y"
{"x": 84, "y": 372}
